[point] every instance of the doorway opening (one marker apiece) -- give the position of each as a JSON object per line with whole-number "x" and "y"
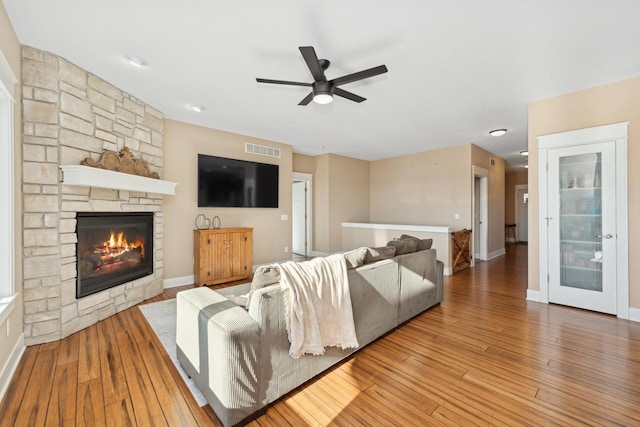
{"x": 480, "y": 213}
{"x": 301, "y": 217}
{"x": 522, "y": 213}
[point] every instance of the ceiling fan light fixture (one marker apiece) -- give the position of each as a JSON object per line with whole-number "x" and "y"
{"x": 498, "y": 132}
{"x": 322, "y": 98}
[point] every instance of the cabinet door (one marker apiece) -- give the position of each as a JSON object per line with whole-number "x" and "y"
{"x": 581, "y": 226}
{"x": 219, "y": 260}
{"x": 237, "y": 254}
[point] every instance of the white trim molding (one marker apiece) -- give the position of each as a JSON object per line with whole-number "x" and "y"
{"x": 178, "y": 281}
{"x": 12, "y": 364}
{"x": 533, "y": 295}
{"x": 496, "y": 254}
{"x": 87, "y": 176}
{"x": 634, "y": 314}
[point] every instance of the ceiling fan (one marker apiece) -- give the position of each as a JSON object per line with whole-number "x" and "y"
{"x": 322, "y": 90}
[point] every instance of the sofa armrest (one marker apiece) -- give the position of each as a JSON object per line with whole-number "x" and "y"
{"x": 440, "y": 280}
{"x": 218, "y": 346}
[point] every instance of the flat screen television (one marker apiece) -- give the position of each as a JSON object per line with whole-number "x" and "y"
{"x": 230, "y": 183}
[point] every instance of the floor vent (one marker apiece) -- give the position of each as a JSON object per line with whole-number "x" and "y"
{"x": 261, "y": 150}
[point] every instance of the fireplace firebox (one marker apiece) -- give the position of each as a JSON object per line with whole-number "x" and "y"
{"x": 113, "y": 248}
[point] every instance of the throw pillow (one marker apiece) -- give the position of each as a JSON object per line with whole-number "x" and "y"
{"x": 404, "y": 246}
{"x": 264, "y": 276}
{"x": 423, "y": 244}
{"x": 355, "y": 258}
{"x": 377, "y": 254}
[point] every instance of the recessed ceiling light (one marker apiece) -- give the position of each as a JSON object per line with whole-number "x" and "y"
{"x": 136, "y": 61}
{"x": 498, "y": 132}
{"x": 197, "y": 108}
{"x": 524, "y": 153}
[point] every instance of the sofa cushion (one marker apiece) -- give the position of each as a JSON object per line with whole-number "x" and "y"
{"x": 380, "y": 253}
{"x": 404, "y": 246}
{"x": 265, "y": 275}
{"x": 355, "y": 258}
{"x": 423, "y": 244}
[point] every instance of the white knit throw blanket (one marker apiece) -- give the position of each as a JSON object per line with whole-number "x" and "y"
{"x": 318, "y": 312}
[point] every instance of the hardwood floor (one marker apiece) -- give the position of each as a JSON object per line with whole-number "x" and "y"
{"x": 485, "y": 356}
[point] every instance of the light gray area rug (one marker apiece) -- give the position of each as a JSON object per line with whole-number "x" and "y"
{"x": 161, "y": 316}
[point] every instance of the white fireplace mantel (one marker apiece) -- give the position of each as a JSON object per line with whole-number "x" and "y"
{"x": 86, "y": 176}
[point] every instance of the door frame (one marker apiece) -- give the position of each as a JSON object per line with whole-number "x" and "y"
{"x": 300, "y": 176}
{"x": 517, "y": 211}
{"x": 483, "y": 175}
{"x": 614, "y": 132}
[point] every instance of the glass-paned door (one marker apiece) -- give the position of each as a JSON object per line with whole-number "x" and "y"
{"x": 581, "y": 226}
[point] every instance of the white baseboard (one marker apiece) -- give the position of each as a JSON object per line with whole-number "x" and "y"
{"x": 495, "y": 254}
{"x": 320, "y": 254}
{"x": 447, "y": 271}
{"x": 634, "y": 314}
{"x": 533, "y": 295}
{"x": 178, "y": 281}
{"x": 12, "y": 364}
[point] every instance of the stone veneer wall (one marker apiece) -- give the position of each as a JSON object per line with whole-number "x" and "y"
{"x": 69, "y": 114}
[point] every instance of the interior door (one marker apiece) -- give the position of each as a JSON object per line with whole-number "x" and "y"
{"x": 299, "y": 217}
{"x": 581, "y": 226}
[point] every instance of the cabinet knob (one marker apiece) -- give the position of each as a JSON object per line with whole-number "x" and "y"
{"x": 225, "y": 242}
{"x": 231, "y": 241}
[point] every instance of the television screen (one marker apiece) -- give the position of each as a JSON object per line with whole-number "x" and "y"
{"x": 231, "y": 183}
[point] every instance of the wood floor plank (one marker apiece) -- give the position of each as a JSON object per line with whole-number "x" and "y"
{"x": 89, "y": 358}
{"x": 34, "y": 405}
{"x": 63, "y": 403}
{"x": 90, "y": 411}
{"x": 120, "y": 413}
{"x": 15, "y": 392}
{"x": 114, "y": 383}
{"x": 145, "y": 403}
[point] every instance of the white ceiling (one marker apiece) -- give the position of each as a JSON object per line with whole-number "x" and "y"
{"x": 457, "y": 68}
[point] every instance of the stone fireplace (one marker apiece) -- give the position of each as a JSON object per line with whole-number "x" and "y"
{"x": 68, "y": 115}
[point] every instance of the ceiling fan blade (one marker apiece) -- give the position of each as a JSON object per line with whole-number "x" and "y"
{"x": 307, "y": 99}
{"x": 360, "y": 75}
{"x": 310, "y": 57}
{"x": 282, "y": 82}
{"x": 352, "y": 96}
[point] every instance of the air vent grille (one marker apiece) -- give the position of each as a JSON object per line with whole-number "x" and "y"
{"x": 261, "y": 150}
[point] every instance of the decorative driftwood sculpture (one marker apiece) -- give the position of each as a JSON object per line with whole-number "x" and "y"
{"x": 122, "y": 162}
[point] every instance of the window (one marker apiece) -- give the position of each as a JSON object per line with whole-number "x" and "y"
{"x": 7, "y": 290}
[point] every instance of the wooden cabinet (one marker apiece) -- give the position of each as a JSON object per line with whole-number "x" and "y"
{"x": 222, "y": 255}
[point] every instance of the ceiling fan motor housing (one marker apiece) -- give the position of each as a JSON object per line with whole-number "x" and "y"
{"x": 322, "y": 88}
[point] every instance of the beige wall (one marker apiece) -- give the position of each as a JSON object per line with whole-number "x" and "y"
{"x": 182, "y": 144}
{"x": 426, "y": 188}
{"x": 519, "y": 177}
{"x": 482, "y": 158}
{"x": 10, "y": 48}
{"x": 340, "y": 194}
{"x": 611, "y": 103}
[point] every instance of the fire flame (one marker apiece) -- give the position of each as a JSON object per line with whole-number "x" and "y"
{"x": 117, "y": 244}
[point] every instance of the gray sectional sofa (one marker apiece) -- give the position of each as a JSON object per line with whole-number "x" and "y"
{"x": 239, "y": 358}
